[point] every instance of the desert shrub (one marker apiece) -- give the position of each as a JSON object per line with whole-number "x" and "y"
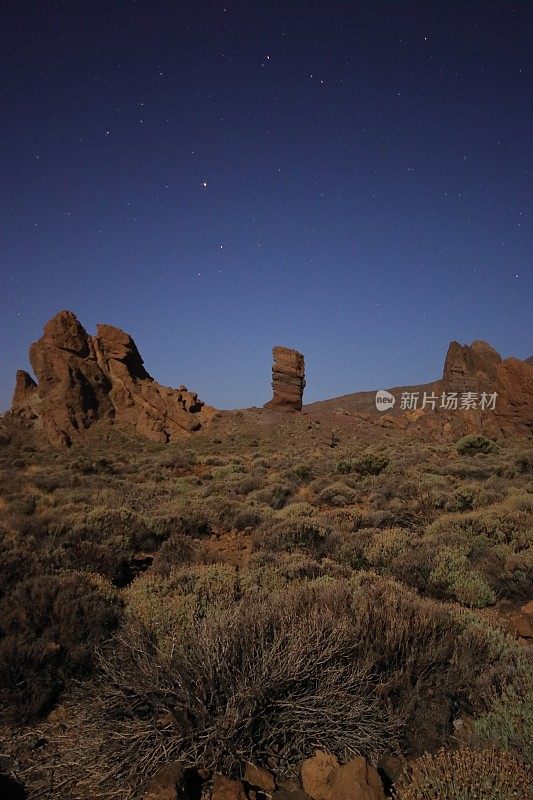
{"x": 176, "y": 551}
{"x": 295, "y": 534}
{"x": 294, "y": 510}
{"x": 349, "y": 669}
{"x": 275, "y": 495}
{"x": 338, "y": 494}
{"x": 499, "y": 524}
{"x": 344, "y": 467}
{"x": 466, "y": 774}
{"x": 18, "y": 560}
{"x": 508, "y": 724}
{"x": 386, "y": 546}
{"x": 168, "y": 605}
{"x": 452, "y": 572}
{"x": 247, "y": 485}
{"x": 248, "y": 518}
{"x": 300, "y": 472}
{"x": 49, "y": 627}
{"x": 463, "y": 499}
{"x": 475, "y": 443}
{"x": 371, "y": 463}
{"x": 524, "y": 463}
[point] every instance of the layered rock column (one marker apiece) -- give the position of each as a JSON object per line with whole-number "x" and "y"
{"x": 288, "y": 380}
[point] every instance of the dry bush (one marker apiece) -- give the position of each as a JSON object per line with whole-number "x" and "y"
{"x": 347, "y": 669}
{"x": 290, "y": 534}
{"x": 49, "y": 627}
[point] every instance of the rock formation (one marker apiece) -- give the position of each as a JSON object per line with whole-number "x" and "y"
{"x": 83, "y": 378}
{"x": 470, "y": 368}
{"x": 288, "y": 380}
{"x": 479, "y": 368}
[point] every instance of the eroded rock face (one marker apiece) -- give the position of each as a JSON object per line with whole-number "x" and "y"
{"x": 25, "y": 388}
{"x": 470, "y": 367}
{"x": 83, "y": 378}
{"x": 479, "y": 368}
{"x": 288, "y": 380}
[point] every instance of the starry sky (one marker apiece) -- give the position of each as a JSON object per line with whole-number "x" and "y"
{"x": 351, "y": 179}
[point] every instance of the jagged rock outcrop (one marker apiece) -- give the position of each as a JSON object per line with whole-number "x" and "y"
{"x": 83, "y": 378}
{"x": 288, "y": 380}
{"x": 25, "y": 388}
{"x": 479, "y": 368}
{"x": 470, "y": 367}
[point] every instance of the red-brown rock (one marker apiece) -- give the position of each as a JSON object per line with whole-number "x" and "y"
{"x": 227, "y": 789}
{"x": 521, "y": 622}
{"x": 288, "y": 380}
{"x": 324, "y": 779}
{"x": 24, "y": 392}
{"x": 318, "y": 773}
{"x": 167, "y": 783}
{"x": 84, "y": 378}
{"x": 259, "y": 777}
{"x": 357, "y": 780}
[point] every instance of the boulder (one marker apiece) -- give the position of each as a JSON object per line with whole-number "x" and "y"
{"x": 317, "y": 775}
{"x": 356, "y": 780}
{"x": 167, "y": 784}
{"x": 324, "y": 779}
{"x": 288, "y": 380}
{"x": 227, "y": 789}
{"x": 259, "y": 778}
{"x": 521, "y": 622}
{"x": 83, "y": 378}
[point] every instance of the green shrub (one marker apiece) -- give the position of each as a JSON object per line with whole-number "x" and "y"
{"x": 453, "y": 573}
{"x": 475, "y": 443}
{"x": 295, "y": 534}
{"x": 371, "y": 463}
{"x": 338, "y": 494}
{"x": 509, "y": 723}
{"x": 466, "y": 775}
{"x": 387, "y": 545}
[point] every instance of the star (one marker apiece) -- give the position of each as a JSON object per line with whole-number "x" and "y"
{"x": 204, "y": 184}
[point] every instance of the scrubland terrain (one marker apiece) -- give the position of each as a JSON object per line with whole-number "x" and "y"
{"x": 272, "y": 586}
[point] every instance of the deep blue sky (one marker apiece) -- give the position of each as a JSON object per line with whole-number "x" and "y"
{"x": 369, "y": 185}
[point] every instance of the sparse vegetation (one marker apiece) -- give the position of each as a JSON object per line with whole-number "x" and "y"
{"x": 261, "y": 565}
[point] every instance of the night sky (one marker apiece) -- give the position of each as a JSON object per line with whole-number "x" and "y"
{"x": 351, "y": 179}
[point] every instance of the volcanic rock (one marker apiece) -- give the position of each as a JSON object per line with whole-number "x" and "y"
{"x": 521, "y": 622}
{"x": 167, "y": 784}
{"x": 227, "y": 789}
{"x": 259, "y": 777}
{"x": 83, "y": 378}
{"x": 324, "y": 779}
{"x": 318, "y": 773}
{"x": 288, "y": 380}
{"x": 470, "y": 367}
{"x": 24, "y": 390}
